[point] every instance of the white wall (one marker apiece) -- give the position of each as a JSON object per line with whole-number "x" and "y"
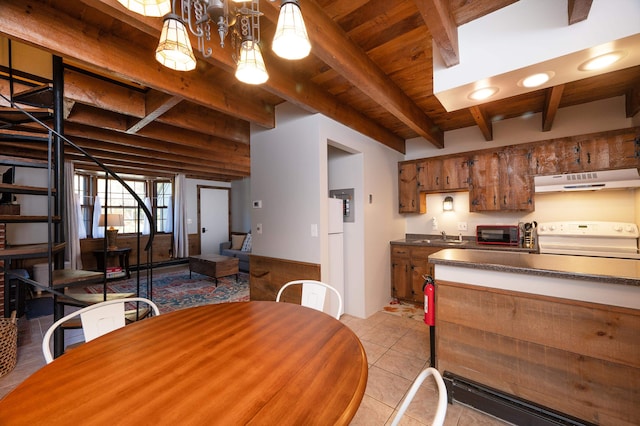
{"x": 621, "y": 205}
{"x": 290, "y": 175}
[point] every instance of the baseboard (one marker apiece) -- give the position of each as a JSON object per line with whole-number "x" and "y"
{"x": 504, "y": 406}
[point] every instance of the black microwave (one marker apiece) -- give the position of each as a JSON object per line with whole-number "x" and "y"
{"x": 504, "y": 235}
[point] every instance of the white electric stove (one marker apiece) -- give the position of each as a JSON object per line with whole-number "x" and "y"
{"x": 589, "y": 238}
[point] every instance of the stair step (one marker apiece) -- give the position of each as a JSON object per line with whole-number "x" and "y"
{"x": 7, "y": 160}
{"x": 26, "y": 219}
{"x": 39, "y": 96}
{"x": 75, "y": 277}
{"x": 23, "y": 189}
{"x": 84, "y": 299}
{"x": 29, "y": 251}
{"x": 15, "y": 116}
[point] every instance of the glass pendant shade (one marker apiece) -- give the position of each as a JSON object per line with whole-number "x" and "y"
{"x": 251, "y": 68}
{"x": 291, "y": 40}
{"x": 155, "y": 8}
{"x": 174, "y": 50}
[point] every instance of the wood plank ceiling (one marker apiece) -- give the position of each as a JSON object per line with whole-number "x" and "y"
{"x": 370, "y": 69}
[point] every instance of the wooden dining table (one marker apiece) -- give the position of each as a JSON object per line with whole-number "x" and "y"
{"x": 262, "y": 363}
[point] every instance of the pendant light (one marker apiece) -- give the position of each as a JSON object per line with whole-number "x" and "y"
{"x": 251, "y": 68}
{"x": 155, "y": 8}
{"x": 291, "y": 40}
{"x": 174, "y": 50}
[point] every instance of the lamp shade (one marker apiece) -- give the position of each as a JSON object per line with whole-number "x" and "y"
{"x": 111, "y": 220}
{"x": 291, "y": 40}
{"x": 251, "y": 68}
{"x": 174, "y": 49}
{"x": 155, "y": 8}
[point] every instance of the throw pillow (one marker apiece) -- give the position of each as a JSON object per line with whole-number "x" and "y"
{"x": 237, "y": 241}
{"x": 246, "y": 246}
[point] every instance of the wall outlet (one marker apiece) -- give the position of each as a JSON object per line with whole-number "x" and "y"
{"x": 258, "y": 228}
{"x": 462, "y": 226}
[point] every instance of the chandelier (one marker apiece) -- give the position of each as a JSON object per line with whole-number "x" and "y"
{"x": 240, "y": 20}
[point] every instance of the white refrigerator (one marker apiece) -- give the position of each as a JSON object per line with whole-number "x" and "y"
{"x": 336, "y": 251}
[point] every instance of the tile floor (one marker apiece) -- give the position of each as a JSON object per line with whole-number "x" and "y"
{"x": 397, "y": 350}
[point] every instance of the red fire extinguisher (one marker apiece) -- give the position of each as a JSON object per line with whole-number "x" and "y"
{"x": 429, "y": 289}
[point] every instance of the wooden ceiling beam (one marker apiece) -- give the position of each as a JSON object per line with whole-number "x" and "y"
{"x": 485, "y": 125}
{"x": 88, "y": 90}
{"x": 551, "y": 105}
{"x": 438, "y": 16}
{"x": 335, "y": 48}
{"x": 108, "y": 96}
{"x": 38, "y": 24}
{"x": 92, "y": 124}
{"x": 156, "y": 104}
{"x": 578, "y": 10}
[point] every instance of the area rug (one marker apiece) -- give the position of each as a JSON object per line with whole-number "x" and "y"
{"x": 406, "y": 310}
{"x": 175, "y": 290}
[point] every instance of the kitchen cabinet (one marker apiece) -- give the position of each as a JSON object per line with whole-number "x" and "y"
{"x": 624, "y": 151}
{"x": 444, "y": 174}
{"x": 411, "y": 200}
{"x": 409, "y": 265}
{"x": 501, "y": 181}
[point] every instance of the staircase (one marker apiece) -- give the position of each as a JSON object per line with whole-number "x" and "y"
{"x": 34, "y": 119}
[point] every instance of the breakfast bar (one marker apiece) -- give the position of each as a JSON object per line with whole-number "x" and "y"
{"x": 560, "y": 332}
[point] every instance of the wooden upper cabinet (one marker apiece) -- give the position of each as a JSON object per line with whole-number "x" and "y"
{"x": 444, "y": 174}
{"x": 501, "y": 181}
{"x": 455, "y": 173}
{"x": 410, "y": 198}
{"x": 624, "y": 151}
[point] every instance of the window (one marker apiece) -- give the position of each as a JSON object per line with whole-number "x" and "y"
{"x": 120, "y": 201}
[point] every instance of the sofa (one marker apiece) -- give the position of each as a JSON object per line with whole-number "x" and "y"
{"x": 240, "y": 247}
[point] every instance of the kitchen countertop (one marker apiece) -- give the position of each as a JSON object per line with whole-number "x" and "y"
{"x": 451, "y": 242}
{"x": 596, "y": 269}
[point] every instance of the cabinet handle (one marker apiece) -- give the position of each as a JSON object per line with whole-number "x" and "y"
{"x": 437, "y": 180}
{"x": 505, "y": 200}
{"x": 588, "y": 158}
{"x": 494, "y": 200}
{"x": 447, "y": 180}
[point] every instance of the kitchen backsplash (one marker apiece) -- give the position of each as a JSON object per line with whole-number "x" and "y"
{"x": 615, "y": 205}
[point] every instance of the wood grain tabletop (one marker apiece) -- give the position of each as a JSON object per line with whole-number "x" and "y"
{"x": 255, "y": 362}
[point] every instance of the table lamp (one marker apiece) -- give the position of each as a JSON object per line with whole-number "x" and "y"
{"x": 112, "y": 220}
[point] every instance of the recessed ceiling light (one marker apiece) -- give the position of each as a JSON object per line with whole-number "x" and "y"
{"x": 536, "y": 80}
{"x": 602, "y": 61}
{"x": 482, "y": 94}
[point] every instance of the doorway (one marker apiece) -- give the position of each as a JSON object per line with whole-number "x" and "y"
{"x": 214, "y": 223}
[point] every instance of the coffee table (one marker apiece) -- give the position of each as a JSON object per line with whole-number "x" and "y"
{"x": 214, "y": 265}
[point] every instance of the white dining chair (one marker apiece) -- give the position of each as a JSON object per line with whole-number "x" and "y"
{"x": 441, "y": 409}
{"x": 314, "y": 294}
{"x": 97, "y": 319}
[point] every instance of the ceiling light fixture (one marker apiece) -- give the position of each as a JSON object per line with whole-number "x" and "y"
{"x": 536, "y": 80}
{"x": 482, "y": 94}
{"x": 240, "y": 20}
{"x": 602, "y": 61}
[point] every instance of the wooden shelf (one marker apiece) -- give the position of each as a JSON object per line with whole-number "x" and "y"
{"x": 27, "y": 219}
{"x": 23, "y": 189}
{"x": 7, "y": 160}
{"x": 29, "y": 251}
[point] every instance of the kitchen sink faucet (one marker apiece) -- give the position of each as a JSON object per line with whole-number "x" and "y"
{"x": 444, "y": 236}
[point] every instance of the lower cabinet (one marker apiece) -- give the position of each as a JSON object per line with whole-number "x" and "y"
{"x": 409, "y": 266}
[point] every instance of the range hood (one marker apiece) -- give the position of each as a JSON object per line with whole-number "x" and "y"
{"x": 588, "y": 181}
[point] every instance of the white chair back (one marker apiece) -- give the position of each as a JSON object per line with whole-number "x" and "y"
{"x": 441, "y": 410}
{"x": 97, "y": 319}
{"x": 314, "y": 295}
{"x": 101, "y": 320}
